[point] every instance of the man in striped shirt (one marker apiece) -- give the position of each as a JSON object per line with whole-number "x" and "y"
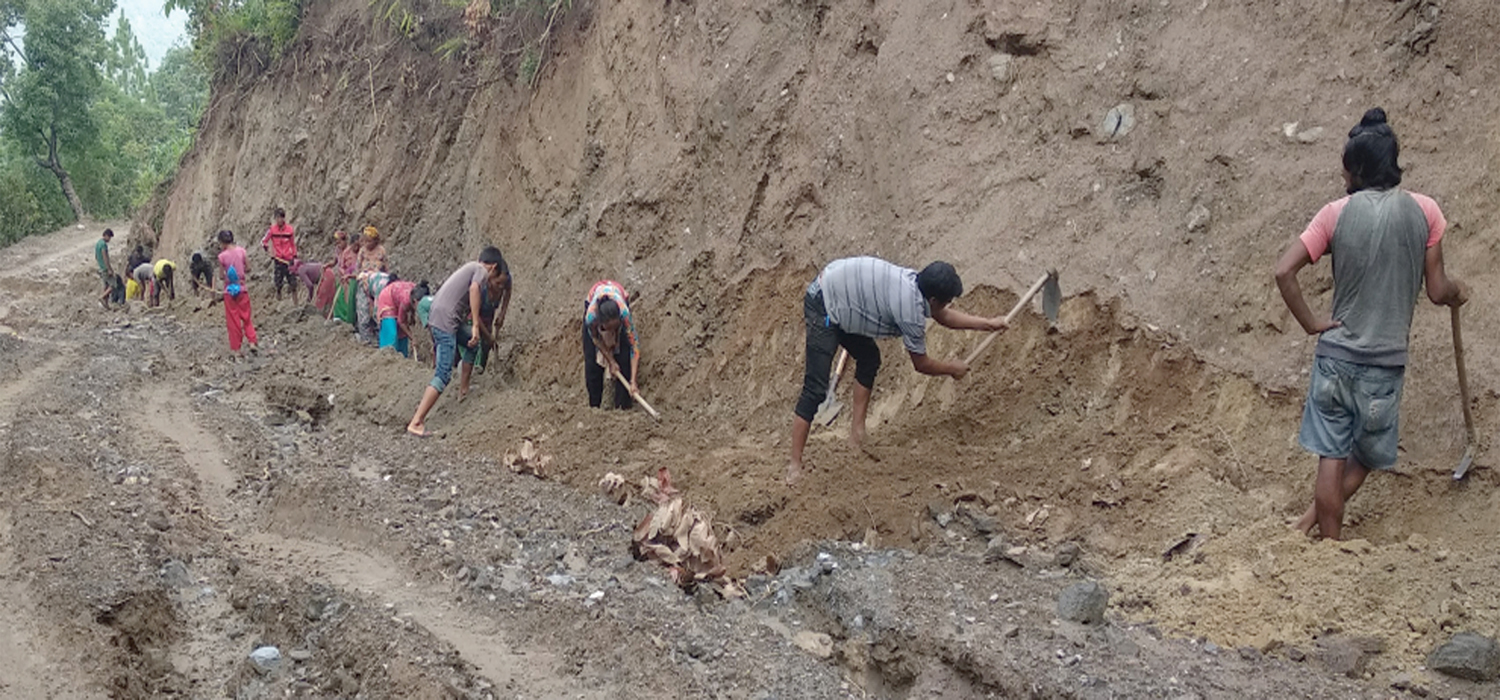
{"x": 853, "y": 302}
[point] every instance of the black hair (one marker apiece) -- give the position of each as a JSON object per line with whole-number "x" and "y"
{"x": 109, "y": 233}
{"x": 280, "y": 213}
{"x": 608, "y": 310}
{"x": 940, "y": 283}
{"x": 226, "y": 236}
{"x": 420, "y": 290}
{"x": 140, "y": 248}
{"x": 491, "y": 256}
{"x": 1370, "y": 155}
{"x": 197, "y": 257}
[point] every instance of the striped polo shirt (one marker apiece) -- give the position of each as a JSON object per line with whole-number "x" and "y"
{"x": 871, "y": 297}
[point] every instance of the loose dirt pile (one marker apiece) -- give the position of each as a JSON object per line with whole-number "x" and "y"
{"x": 712, "y": 156}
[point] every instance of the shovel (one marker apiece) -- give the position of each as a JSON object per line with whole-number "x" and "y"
{"x": 635, "y": 394}
{"x": 1463, "y": 392}
{"x": 1051, "y": 301}
{"x": 830, "y": 407}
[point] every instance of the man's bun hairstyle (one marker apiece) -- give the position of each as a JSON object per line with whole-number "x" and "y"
{"x": 940, "y": 283}
{"x": 1371, "y": 156}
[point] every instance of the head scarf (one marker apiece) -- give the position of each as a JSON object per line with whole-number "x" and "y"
{"x": 370, "y": 232}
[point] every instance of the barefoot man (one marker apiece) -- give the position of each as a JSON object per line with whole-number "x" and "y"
{"x": 853, "y": 302}
{"x": 1384, "y": 241}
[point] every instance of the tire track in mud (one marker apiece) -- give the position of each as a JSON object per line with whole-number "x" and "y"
{"x": 477, "y": 638}
{"x": 35, "y": 666}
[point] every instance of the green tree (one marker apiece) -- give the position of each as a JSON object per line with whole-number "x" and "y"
{"x": 181, "y": 87}
{"x": 125, "y": 62}
{"x": 50, "y": 81}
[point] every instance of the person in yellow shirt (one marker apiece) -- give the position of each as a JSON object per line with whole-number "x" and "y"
{"x": 165, "y": 270}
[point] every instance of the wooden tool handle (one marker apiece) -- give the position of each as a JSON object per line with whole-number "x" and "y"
{"x": 635, "y": 394}
{"x": 838, "y": 370}
{"x": 1463, "y": 375}
{"x": 1025, "y": 299}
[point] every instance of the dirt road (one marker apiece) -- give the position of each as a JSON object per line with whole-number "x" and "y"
{"x": 167, "y": 510}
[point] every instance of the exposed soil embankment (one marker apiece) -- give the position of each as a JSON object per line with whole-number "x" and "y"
{"x": 714, "y": 156}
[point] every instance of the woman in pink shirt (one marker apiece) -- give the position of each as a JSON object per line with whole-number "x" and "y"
{"x": 234, "y": 267}
{"x": 396, "y": 307}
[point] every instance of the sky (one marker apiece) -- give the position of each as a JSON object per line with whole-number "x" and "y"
{"x": 156, "y": 31}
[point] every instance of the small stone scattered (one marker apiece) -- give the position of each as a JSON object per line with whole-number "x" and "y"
{"x": 1198, "y": 218}
{"x": 266, "y": 659}
{"x": 1067, "y": 553}
{"x": 1118, "y": 122}
{"x": 815, "y": 643}
{"x": 940, "y": 512}
{"x": 1083, "y": 603}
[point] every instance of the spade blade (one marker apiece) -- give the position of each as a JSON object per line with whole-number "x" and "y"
{"x": 1051, "y": 297}
{"x": 1463, "y": 464}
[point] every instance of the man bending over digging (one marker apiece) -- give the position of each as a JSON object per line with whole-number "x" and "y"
{"x": 853, "y": 302}
{"x": 1383, "y": 240}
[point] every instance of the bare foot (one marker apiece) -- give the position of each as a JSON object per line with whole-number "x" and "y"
{"x": 793, "y": 473}
{"x": 1306, "y": 523}
{"x": 856, "y": 439}
{"x": 418, "y": 429}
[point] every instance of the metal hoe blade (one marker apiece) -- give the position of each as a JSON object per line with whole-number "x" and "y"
{"x": 1465, "y": 463}
{"x": 1051, "y": 298}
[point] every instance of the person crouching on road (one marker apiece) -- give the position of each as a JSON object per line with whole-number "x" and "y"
{"x": 396, "y": 307}
{"x": 165, "y": 272}
{"x": 609, "y": 344}
{"x": 309, "y": 274}
{"x": 853, "y": 302}
{"x": 1384, "y": 240}
{"x": 367, "y": 287}
{"x": 235, "y": 267}
{"x": 201, "y": 272}
{"x": 144, "y": 276}
{"x": 459, "y": 295}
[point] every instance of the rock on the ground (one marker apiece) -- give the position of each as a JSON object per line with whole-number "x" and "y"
{"x": 1197, "y": 218}
{"x": 1118, "y": 122}
{"x": 1342, "y": 656}
{"x": 1467, "y": 655}
{"x": 1083, "y": 603}
{"x": 1067, "y": 553}
{"x": 815, "y": 643}
{"x": 266, "y": 659}
{"x": 1002, "y": 67}
{"x": 940, "y": 512}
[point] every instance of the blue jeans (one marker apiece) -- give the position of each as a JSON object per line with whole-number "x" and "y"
{"x": 1353, "y": 410}
{"x": 444, "y": 346}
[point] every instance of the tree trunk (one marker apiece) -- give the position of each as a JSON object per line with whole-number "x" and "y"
{"x": 69, "y": 192}
{"x": 54, "y": 164}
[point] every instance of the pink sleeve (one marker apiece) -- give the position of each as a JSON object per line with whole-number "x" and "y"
{"x": 1319, "y": 233}
{"x": 1436, "y": 224}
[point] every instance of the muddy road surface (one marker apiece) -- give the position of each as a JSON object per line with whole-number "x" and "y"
{"x": 167, "y": 510}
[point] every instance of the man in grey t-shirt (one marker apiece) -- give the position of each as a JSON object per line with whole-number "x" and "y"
{"x": 457, "y": 300}
{"x": 1384, "y": 241}
{"x": 853, "y": 302}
